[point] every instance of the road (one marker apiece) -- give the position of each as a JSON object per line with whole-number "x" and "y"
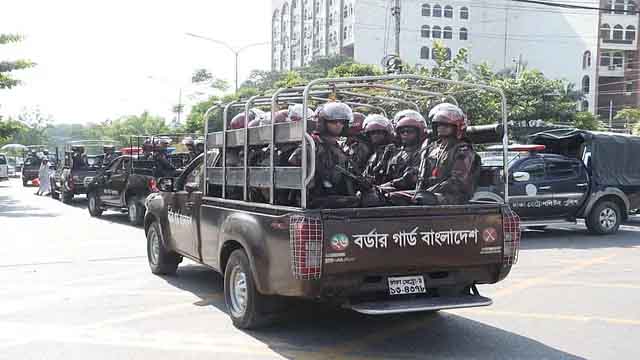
{"x": 75, "y": 287}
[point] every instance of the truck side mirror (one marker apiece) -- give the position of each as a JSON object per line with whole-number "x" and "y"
{"x": 521, "y": 176}
{"x": 166, "y": 184}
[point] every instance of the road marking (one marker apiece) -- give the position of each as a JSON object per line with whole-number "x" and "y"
{"x": 590, "y": 284}
{"x": 525, "y": 284}
{"x": 543, "y": 316}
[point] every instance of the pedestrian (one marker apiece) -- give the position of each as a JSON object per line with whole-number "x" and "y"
{"x": 43, "y": 178}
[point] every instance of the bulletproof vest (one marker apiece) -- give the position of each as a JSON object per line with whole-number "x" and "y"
{"x": 359, "y": 153}
{"x": 401, "y": 161}
{"x": 441, "y": 159}
{"x": 377, "y": 164}
{"x": 329, "y": 181}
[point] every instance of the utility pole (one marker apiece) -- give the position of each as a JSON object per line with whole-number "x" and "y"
{"x": 395, "y": 12}
{"x": 506, "y": 33}
{"x": 610, "y": 114}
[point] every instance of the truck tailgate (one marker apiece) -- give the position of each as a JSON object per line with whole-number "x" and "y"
{"x": 401, "y": 239}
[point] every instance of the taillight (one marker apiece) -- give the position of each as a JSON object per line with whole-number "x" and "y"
{"x": 306, "y": 247}
{"x": 511, "y": 233}
{"x": 153, "y": 185}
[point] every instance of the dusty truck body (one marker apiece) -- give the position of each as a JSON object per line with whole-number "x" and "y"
{"x": 381, "y": 260}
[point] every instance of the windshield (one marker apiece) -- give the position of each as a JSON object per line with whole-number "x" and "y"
{"x": 3, "y": 160}
{"x": 32, "y": 161}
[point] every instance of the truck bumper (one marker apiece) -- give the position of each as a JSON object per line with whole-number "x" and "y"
{"x": 419, "y": 304}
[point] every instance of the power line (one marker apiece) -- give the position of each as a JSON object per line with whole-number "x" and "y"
{"x": 569, "y": 6}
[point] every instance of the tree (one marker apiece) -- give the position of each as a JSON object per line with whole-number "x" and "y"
{"x": 36, "y": 125}
{"x": 141, "y": 125}
{"x": 351, "y": 69}
{"x": 7, "y": 81}
{"x": 8, "y": 128}
{"x": 587, "y": 121}
{"x": 630, "y": 117}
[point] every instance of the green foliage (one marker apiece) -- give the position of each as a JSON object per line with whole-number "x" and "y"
{"x": 290, "y": 79}
{"x": 8, "y": 128}
{"x": 587, "y": 121}
{"x": 7, "y": 81}
{"x": 630, "y": 117}
{"x": 351, "y": 69}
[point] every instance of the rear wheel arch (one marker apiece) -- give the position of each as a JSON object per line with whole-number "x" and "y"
{"x": 232, "y": 244}
{"x": 616, "y": 199}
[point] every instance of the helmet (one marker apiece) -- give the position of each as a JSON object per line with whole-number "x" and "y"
{"x": 187, "y": 141}
{"x": 415, "y": 122}
{"x": 295, "y": 112}
{"x": 449, "y": 114}
{"x": 281, "y": 116}
{"x": 334, "y": 111}
{"x": 357, "y": 124}
{"x": 163, "y": 141}
{"x": 377, "y": 122}
{"x": 404, "y": 113}
{"x": 77, "y": 148}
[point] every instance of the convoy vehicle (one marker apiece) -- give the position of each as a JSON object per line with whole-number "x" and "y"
{"x": 569, "y": 174}
{"x": 68, "y": 181}
{"x": 32, "y": 159}
{"x": 372, "y": 260}
{"x": 126, "y": 182}
{"x": 4, "y": 168}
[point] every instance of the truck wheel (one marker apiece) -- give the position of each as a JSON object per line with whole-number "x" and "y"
{"x": 95, "y": 205}
{"x": 67, "y": 197}
{"x": 161, "y": 260}
{"x": 24, "y": 182}
{"x": 244, "y": 303}
{"x": 604, "y": 218}
{"x": 54, "y": 192}
{"x": 136, "y": 212}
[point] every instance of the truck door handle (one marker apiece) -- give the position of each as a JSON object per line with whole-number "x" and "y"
{"x": 582, "y": 185}
{"x": 545, "y": 188}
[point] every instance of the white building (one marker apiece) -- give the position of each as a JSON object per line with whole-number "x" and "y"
{"x": 596, "y": 50}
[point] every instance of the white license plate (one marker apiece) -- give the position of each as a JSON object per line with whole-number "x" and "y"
{"x": 406, "y": 285}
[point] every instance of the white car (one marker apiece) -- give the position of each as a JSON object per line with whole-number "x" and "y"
{"x": 4, "y": 168}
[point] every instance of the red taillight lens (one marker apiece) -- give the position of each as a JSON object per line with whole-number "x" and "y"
{"x": 306, "y": 247}
{"x": 153, "y": 185}
{"x": 511, "y": 232}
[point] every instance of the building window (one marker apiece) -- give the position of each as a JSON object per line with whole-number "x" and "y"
{"x": 424, "y": 53}
{"x": 447, "y": 54}
{"x": 619, "y": 7}
{"x": 425, "y": 32}
{"x": 345, "y": 12}
{"x": 618, "y": 32}
{"x": 447, "y": 33}
{"x": 464, "y": 13}
{"x": 630, "y": 34}
{"x": 628, "y": 86}
{"x": 605, "y": 59}
{"x": 464, "y": 34}
{"x": 630, "y": 61}
{"x": 437, "y": 11}
{"x": 605, "y": 32}
{"x": 585, "y": 105}
{"x": 436, "y": 32}
{"x": 448, "y": 11}
{"x": 426, "y": 10}
{"x": 344, "y": 33}
{"x": 586, "y": 84}
{"x": 631, "y": 7}
{"x": 586, "y": 59}
{"x": 618, "y": 59}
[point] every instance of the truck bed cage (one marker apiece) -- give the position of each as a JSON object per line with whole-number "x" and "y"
{"x": 276, "y": 134}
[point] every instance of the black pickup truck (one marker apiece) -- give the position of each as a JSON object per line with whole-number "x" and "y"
{"x": 566, "y": 175}
{"x": 122, "y": 186}
{"x": 382, "y": 260}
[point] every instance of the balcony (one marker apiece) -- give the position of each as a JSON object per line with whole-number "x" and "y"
{"x": 618, "y": 44}
{"x": 611, "y": 70}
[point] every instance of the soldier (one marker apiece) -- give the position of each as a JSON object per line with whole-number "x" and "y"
{"x": 109, "y": 154}
{"x": 189, "y": 143}
{"x": 379, "y": 132}
{"x": 329, "y": 188}
{"x": 199, "y": 143}
{"x": 164, "y": 167}
{"x": 358, "y": 145}
{"x": 78, "y": 157}
{"x": 448, "y": 165}
{"x": 402, "y": 170}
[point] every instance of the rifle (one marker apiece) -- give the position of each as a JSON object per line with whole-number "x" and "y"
{"x": 361, "y": 181}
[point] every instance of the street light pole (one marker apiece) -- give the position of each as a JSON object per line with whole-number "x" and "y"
{"x": 236, "y": 52}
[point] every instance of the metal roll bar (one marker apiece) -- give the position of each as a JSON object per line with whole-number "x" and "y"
{"x": 206, "y": 132}
{"x": 360, "y": 80}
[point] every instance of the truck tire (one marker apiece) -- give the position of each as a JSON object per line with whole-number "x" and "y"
{"x": 136, "y": 212}
{"x": 95, "y": 205}
{"x": 605, "y": 218}
{"x": 67, "y": 197}
{"x": 245, "y": 304}
{"x": 161, "y": 260}
{"x": 25, "y": 182}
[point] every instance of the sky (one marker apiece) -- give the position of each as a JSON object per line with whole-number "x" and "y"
{"x": 99, "y": 60}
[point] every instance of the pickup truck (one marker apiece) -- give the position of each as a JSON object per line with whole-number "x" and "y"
{"x": 383, "y": 260}
{"x": 122, "y": 186}
{"x": 566, "y": 175}
{"x": 4, "y": 168}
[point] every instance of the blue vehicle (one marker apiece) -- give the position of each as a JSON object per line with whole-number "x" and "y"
{"x": 567, "y": 175}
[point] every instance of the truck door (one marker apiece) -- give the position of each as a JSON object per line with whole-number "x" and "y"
{"x": 528, "y": 198}
{"x": 184, "y": 210}
{"x": 119, "y": 180}
{"x": 107, "y": 181}
{"x": 570, "y": 184}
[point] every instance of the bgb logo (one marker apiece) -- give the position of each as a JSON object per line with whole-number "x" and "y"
{"x": 490, "y": 235}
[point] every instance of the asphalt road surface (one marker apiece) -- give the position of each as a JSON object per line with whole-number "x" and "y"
{"x": 75, "y": 287}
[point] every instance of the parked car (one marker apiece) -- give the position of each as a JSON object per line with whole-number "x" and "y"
{"x": 568, "y": 175}
{"x": 4, "y": 168}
